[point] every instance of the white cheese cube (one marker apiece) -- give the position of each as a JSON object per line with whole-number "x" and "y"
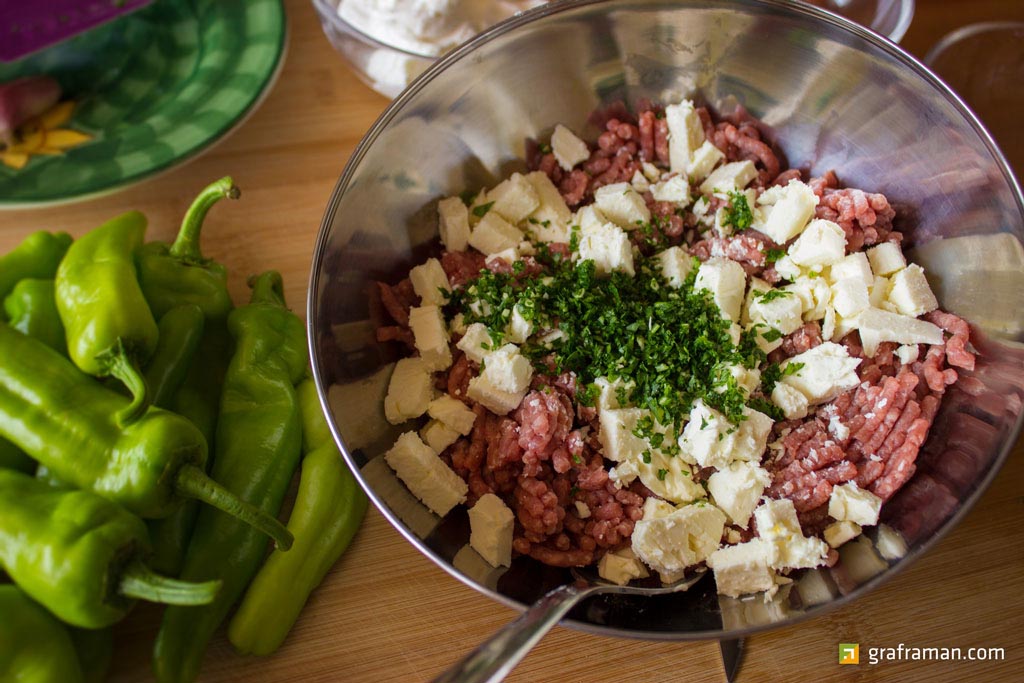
{"x": 589, "y": 217}
{"x": 458, "y": 324}
{"x": 491, "y": 523}
{"x": 787, "y": 269}
{"x": 453, "y": 413}
{"x": 622, "y": 205}
{"x": 616, "y": 435}
{"x": 787, "y": 210}
{"x": 429, "y": 282}
{"x": 910, "y": 293}
{"x": 476, "y": 342}
{"x": 851, "y": 503}
{"x": 727, "y": 282}
{"x": 735, "y": 333}
{"x": 493, "y": 234}
{"x": 425, "y": 475}
{"x": 878, "y": 295}
{"x": 550, "y": 221}
{"x": 769, "y": 344}
{"x": 815, "y": 296}
{"x": 438, "y": 435}
{"x": 736, "y": 488}
{"x": 757, "y": 286}
{"x": 509, "y": 256}
{"x": 731, "y": 177}
{"x": 779, "y": 309}
{"x": 907, "y": 353}
{"x": 828, "y": 370}
{"x": 676, "y": 189}
{"x": 703, "y": 161}
{"x": 701, "y": 206}
{"x": 675, "y": 264}
{"x": 747, "y": 379}
{"x": 519, "y": 328}
{"x": 849, "y": 297}
{"x": 568, "y": 148}
{"x": 478, "y": 207}
{"x": 514, "y": 198}
{"x": 453, "y": 224}
{"x": 621, "y": 567}
{"x": 854, "y": 267}
{"x": 741, "y": 569}
{"x": 582, "y": 509}
{"x": 431, "y": 336}
{"x": 655, "y": 507}
{"x": 410, "y": 390}
{"x": 498, "y": 401}
{"x": 609, "y": 390}
{"x": 886, "y": 258}
{"x": 667, "y": 476}
{"x": 779, "y": 529}
{"x": 640, "y": 182}
{"x": 713, "y": 441}
{"x": 877, "y": 326}
{"x": 889, "y": 543}
{"x": 608, "y": 247}
{"x": 820, "y": 244}
{"x": 839, "y": 533}
{"x": 685, "y": 134}
{"x": 672, "y": 543}
{"x": 507, "y": 369}
{"x": 790, "y": 401}
{"x": 623, "y": 474}
{"x": 651, "y": 172}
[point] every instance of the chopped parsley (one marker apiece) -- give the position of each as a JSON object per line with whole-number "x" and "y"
{"x": 481, "y": 211}
{"x": 738, "y": 213}
{"x": 773, "y": 255}
{"x": 467, "y": 197}
{"x": 771, "y": 375}
{"x": 661, "y": 475}
{"x": 771, "y": 295}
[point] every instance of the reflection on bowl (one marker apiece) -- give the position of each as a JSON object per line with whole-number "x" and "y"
{"x": 835, "y": 97}
{"x": 890, "y": 18}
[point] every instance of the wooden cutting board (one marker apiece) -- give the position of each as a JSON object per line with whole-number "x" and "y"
{"x": 385, "y": 613}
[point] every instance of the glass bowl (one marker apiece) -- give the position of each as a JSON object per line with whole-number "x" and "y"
{"x": 890, "y": 18}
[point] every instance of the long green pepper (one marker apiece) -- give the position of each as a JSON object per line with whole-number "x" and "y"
{"x": 259, "y": 439}
{"x": 34, "y": 646}
{"x": 81, "y": 556}
{"x": 328, "y": 510}
{"x": 66, "y": 421}
{"x": 110, "y": 329}
{"x": 32, "y": 309}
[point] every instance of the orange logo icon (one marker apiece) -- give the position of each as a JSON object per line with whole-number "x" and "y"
{"x": 849, "y": 653}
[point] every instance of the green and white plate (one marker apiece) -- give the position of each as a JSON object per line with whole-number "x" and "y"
{"x": 154, "y": 89}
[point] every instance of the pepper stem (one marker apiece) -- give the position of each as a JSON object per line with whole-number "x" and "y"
{"x": 192, "y": 482}
{"x": 123, "y": 367}
{"x": 140, "y": 582}
{"x": 267, "y": 288}
{"x": 186, "y": 245}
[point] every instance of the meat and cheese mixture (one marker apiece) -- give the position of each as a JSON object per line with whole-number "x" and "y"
{"x": 664, "y": 349}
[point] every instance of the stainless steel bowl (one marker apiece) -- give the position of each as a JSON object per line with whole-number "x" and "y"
{"x": 838, "y": 98}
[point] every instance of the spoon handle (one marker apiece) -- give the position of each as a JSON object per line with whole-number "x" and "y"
{"x": 497, "y": 656}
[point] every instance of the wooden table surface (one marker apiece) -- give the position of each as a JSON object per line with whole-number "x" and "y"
{"x": 386, "y": 613}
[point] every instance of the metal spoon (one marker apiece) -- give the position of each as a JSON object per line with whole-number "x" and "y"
{"x": 496, "y": 657}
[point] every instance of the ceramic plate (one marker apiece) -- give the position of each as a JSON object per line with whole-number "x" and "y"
{"x": 154, "y": 89}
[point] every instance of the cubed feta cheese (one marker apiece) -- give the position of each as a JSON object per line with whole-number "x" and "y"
{"x": 790, "y": 401}
{"x": 425, "y": 474}
{"x": 623, "y": 474}
{"x": 787, "y": 547}
{"x": 430, "y": 282}
{"x": 676, "y": 189}
{"x": 731, "y": 177}
{"x": 453, "y": 223}
{"x": 839, "y": 533}
{"x": 713, "y": 441}
{"x": 616, "y": 435}
{"x": 675, "y": 265}
{"x": 767, "y": 338}
{"x": 886, "y": 258}
{"x": 854, "y": 267}
{"x": 479, "y": 206}
{"x": 568, "y": 149}
{"x": 786, "y": 269}
{"x": 878, "y": 295}
{"x": 609, "y": 391}
{"x": 828, "y": 370}
{"x": 438, "y": 435}
{"x": 851, "y": 503}
{"x": 651, "y": 172}
{"x": 453, "y": 413}
{"x": 747, "y": 379}
{"x": 509, "y": 256}
{"x": 889, "y": 543}
{"x": 736, "y": 488}
{"x": 410, "y": 390}
{"x": 670, "y": 477}
{"x": 779, "y": 309}
{"x": 849, "y": 297}
{"x": 621, "y": 566}
{"x": 907, "y": 353}
{"x": 491, "y": 523}
{"x": 672, "y": 543}
{"x": 815, "y": 296}
{"x": 589, "y": 217}
{"x": 622, "y": 205}
{"x": 514, "y": 198}
{"x": 498, "y": 401}
{"x": 458, "y": 324}
{"x": 608, "y": 247}
{"x": 820, "y": 244}
{"x": 741, "y": 569}
{"x": 507, "y": 369}
{"x": 476, "y": 342}
{"x": 655, "y": 507}
{"x": 431, "y": 336}
{"x": 550, "y": 221}
{"x": 910, "y": 292}
{"x": 703, "y": 161}
{"x": 787, "y": 210}
{"x": 493, "y": 234}
{"x": 582, "y": 509}
{"x": 519, "y": 328}
{"x": 685, "y": 134}
{"x": 877, "y": 326}
{"x": 640, "y": 182}
{"x": 727, "y": 282}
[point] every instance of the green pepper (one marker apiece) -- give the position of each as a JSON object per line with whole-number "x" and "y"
{"x": 31, "y": 309}
{"x": 181, "y": 328}
{"x": 13, "y": 458}
{"x": 37, "y": 256}
{"x": 110, "y": 329}
{"x": 328, "y": 510}
{"x": 66, "y": 421}
{"x": 34, "y": 646}
{"x": 80, "y": 555}
{"x": 95, "y": 650}
{"x": 259, "y": 437}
